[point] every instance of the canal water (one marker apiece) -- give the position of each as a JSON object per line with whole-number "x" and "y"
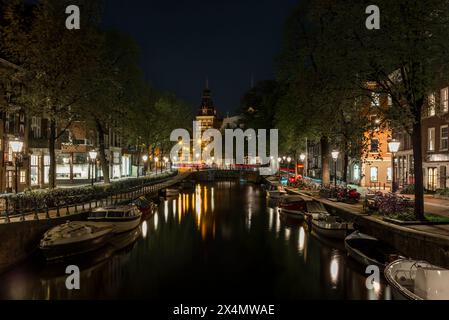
{"x": 221, "y": 240}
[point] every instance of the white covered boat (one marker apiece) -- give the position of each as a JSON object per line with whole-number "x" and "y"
{"x": 121, "y": 218}
{"x": 74, "y": 238}
{"x": 330, "y": 226}
{"x": 417, "y": 280}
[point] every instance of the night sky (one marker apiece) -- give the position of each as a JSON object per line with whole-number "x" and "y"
{"x": 183, "y": 42}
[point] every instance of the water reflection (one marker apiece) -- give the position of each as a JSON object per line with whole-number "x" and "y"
{"x": 222, "y": 238}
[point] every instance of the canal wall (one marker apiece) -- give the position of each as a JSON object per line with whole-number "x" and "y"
{"x": 19, "y": 239}
{"x": 417, "y": 242}
{"x": 412, "y": 243}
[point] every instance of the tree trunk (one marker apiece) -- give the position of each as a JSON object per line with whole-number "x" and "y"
{"x": 102, "y": 151}
{"x": 344, "y": 178}
{"x": 417, "y": 166}
{"x": 51, "y": 150}
{"x": 325, "y": 173}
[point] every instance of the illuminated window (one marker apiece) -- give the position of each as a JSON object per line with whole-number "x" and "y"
{"x": 445, "y": 99}
{"x": 34, "y": 174}
{"x": 374, "y": 174}
{"x": 375, "y": 99}
{"x": 431, "y": 139}
{"x": 23, "y": 176}
{"x": 389, "y": 174}
{"x": 356, "y": 172}
{"x": 444, "y": 137}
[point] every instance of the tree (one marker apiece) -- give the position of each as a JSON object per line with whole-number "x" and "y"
{"x": 54, "y": 61}
{"x": 317, "y": 102}
{"x": 405, "y": 59}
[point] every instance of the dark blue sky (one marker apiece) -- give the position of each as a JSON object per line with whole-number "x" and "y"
{"x": 183, "y": 41}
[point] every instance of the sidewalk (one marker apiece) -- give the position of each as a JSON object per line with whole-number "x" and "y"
{"x": 431, "y": 205}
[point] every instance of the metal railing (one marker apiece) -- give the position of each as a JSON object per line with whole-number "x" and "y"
{"x": 132, "y": 193}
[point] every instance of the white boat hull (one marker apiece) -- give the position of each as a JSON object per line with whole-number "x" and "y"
{"x": 331, "y": 230}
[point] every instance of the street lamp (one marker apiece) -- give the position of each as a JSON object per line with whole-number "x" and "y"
{"x": 16, "y": 147}
{"x": 335, "y": 154}
{"x": 288, "y": 167}
{"x": 156, "y": 160}
{"x": 145, "y": 159}
{"x": 93, "y": 158}
{"x": 393, "y": 145}
{"x": 302, "y": 157}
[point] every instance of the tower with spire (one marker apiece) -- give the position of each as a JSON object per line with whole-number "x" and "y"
{"x": 207, "y": 113}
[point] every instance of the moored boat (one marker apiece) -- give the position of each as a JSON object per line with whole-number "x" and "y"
{"x": 74, "y": 238}
{"x": 368, "y": 250}
{"x": 331, "y": 227}
{"x": 293, "y": 205}
{"x": 417, "y": 280}
{"x": 144, "y": 205}
{"x": 121, "y": 218}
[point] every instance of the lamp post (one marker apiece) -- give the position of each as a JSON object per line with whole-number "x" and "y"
{"x": 279, "y": 168}
{"x": 335, "y": 154}
{"x": 16, "y": 146}
{"x": 393, "y": 145}
{"x": 302, "y": 157}
{"x": 156, "y": 160}
{"x": 165, "y": 163}
{"x": 289, "y": 159}
{"x": 145, "y": 159}
{"x": 93, "y": 159}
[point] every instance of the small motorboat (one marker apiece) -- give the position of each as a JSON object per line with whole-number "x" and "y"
{"x": 293, "y": 205}
{"x": 332, "y": 227}
{"x": 121, "y": 218}
{"x": 368, "y": 250}
{"x": 74, "y": 238}
{"x": 315, "y": 210}
{"x": 144, "y": 205}
{"x": 417, "y": 280}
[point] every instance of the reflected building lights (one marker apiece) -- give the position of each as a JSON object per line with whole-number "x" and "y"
{"x": 270, "y": 218}
{"x": 301, "y": 239}
{"x": 166, "y": 210}
{"x": 212, "y": 203}
{"x": 156, "y": 221}
{"x": 144, "y": 229}
{"x": 334, "y": 269}
{"x": 278, "y": 220}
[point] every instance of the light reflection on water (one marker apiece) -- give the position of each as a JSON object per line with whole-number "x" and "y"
{"x": 222, "y": 239}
